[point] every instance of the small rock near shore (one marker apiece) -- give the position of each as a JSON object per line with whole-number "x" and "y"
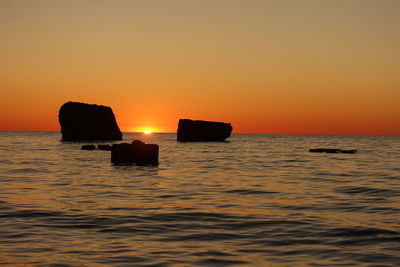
{"x": 137, "y": 152}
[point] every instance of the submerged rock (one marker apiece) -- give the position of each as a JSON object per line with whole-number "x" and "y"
{"x": 80, "y": 121}
{"x": 88, "y": 147}
{"x": 104, "y": 147}
{"x": 137, "y": 152}
{"x": 353, "y": 151}
{"x": 325, "y": 150}
{"x": 332, "y": 150}
{"x": 317, "y": 150}
{"x": 192, "y": 131}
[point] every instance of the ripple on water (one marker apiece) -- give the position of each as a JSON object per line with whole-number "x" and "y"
{"x": 250, "y": 192}
{"x": 361, "y": 236}
{"x": 368, "y": 191}
{"x": 29, "y": 170}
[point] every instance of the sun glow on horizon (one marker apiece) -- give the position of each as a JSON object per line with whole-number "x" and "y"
{"x": 222, "y": 62}
{"x": 145, "y": 129}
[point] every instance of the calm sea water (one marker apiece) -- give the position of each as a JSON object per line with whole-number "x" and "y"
{"x": 258, "y": 200}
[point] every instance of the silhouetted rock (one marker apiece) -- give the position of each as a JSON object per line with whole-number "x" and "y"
{"x": 88, "y": 147}
{"x": 349, "y": 151}
{"x": 192, "y": 131}
{"x": 80, "y": 121}
{"x": 137, "y": 152}
{"x": 317, "y": 150}
{"x": 138, "y": 142}
{"x": 104, "y": 147}
{"x": 332, "y": 150}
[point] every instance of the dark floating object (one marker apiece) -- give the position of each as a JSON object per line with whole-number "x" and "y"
{"x": 80, "y": 121}
{"x": 137, "y": 152}
{"x": 332, "y": 150}
{"x": 104, "y": 147}
{"x": 192, "y": 131}
{"x": 349, "y": 151}
{"x": 88, "y": 147}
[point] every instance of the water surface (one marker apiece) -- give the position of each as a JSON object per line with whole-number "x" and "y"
{"x": 258, "y": 200}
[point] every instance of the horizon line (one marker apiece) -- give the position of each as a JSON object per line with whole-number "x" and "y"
{"x": 232, "y": 133}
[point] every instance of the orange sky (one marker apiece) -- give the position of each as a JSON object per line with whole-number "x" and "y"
{"x": 307, "y": 67}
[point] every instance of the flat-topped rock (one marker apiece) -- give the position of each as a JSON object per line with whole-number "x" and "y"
{"x": 81, "y": 121}
{"x": 197, "y": 130}
{"x": 137, "y": 152}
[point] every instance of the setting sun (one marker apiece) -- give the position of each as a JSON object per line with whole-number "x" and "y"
{"x": 147, "y": 131}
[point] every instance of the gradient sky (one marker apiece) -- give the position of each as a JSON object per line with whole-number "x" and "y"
{"x": 307, "y": 67}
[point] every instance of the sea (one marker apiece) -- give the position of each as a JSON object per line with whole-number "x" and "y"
{"x": 255, "y": 200}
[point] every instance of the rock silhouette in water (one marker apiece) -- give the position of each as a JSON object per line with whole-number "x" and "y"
{"x": 80, "y": 121}
{"x": 192, "y": 131}
{"x": 352, "y": 151}
{"x": 332, "y": 150}
{"x": 137, "y": 152}
{"x": 88, "y": 147}
{"x": 104, "y": 147}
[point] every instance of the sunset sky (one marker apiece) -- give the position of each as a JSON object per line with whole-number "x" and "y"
{"x": 291, "y": 67}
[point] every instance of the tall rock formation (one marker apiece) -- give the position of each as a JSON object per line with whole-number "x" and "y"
{"x": 192, "y": 131}
{"x": 81, "y": 121}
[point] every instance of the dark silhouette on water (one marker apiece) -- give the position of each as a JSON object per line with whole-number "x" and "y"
{"x": 88, "y": 147}
{"x": 192, "y": 131}
{"x": 80, "y": 122}
{"x": 138, "y": 152}
{"x": 104, "y": 147}
{"x": 332, "y": 150}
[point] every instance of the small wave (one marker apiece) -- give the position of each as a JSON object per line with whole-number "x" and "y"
{"x": 351, "y": 232}
{"x": 292, "y": 160}
{"x": 124, "y": 230}
{"x": 216, "y": 236}
{"x": 29, "y": 213}
{"x": 362, "y": 190}
{"x": 250, "y": 192}
{"x": 15, "y": 235}
{"x": 123, "y": 259}
{"x": 338, "y": 206}
{"x": 249, "y": 224}
{"x": 28, "y": 170}
{"x": 61, "y": 184}
{"x": 36, "y": 250}
{"x": 334, "y": 174}
{"x": 211, "y": 253}
{"x": 384, "y": 210}
{"x": 190, "y": 216}
{"x": 361, "y": 236}
{"x": 220, "y": 262}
